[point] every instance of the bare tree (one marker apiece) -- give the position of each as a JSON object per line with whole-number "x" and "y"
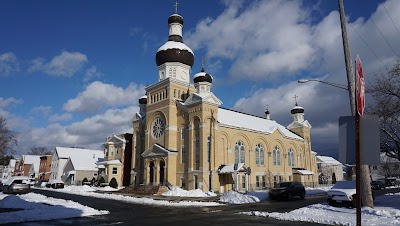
{"x": 389, "y": 167}
{"x": 386, "y": 92}
{"x": 8, "y": 138}
{"x": 39, "y": 151}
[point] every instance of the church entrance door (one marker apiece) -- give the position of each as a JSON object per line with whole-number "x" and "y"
{"x": 162, "y": 169}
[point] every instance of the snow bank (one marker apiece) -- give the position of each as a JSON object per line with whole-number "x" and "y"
{"x": 179, "y": 192}
{"x": 234, "y": 197}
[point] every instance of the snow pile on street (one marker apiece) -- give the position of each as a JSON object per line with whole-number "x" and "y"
{"x": 74, "y": 188}
{"x": 385, "y": 213}
{"x": 179, "y": 192}
{"x": 37, "y": 207}
{"x": 234, "y": 197}
{"x": 262, "y": 195}
{"x": 107, "y": 188}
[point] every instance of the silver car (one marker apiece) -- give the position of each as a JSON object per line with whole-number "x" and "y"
{"x": 16, "y": 185}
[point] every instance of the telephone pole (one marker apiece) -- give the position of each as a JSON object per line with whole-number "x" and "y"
{"x": 362, "y": 171}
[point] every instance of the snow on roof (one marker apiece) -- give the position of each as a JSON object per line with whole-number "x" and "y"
{"x": 250, "y": 122}
{"x": 201, "y": 74}
{"x": 175, "y": 14}
{"x": 305, "y": 172}
{"x": 175, "y": 45}
{"x": 230, "y": 168}
{"x": 82, "y": 159}
{"x": 328, "y": 160}
{"x": 110, "y": 162}
{"x": 32, "y": 159}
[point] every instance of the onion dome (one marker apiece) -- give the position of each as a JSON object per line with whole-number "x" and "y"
{"x": 143, "y": 99}
{"x": 267, "y": 112}
{"x": 297, "y": 109}
{"x": 202, "y": 77}
{"x": 174, "y": 50}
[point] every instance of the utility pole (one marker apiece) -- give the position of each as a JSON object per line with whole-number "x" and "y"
{"x": 362, "y": 172}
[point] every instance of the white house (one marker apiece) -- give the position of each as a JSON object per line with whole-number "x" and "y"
{"x": 327, "y": 168}
{"x": 31, "y": 165}
{"x": 79, "y": 158}
{"x": 9, "y": 169}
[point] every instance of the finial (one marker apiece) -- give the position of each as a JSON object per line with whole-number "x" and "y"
{"x": 176, "y": 7}
{"x": 202, "y": 63}
{"x": 266, "y": 108}
{"x": 295, "y": 99}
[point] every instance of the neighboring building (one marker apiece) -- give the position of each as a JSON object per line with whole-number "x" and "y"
{"x": 77, "y": 158}
{"x": 18, "y": 166}
{"x": 117, "y": 159}
{"x": 30, "y": 165}
{"x": 81, "y": 165}
{"x": 388, "y": 167}
{"x": 183, "y": 137}
{"x": 327, "y": 168}
{"x": 45, "y": 166}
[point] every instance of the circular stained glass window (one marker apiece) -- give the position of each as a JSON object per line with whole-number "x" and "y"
{"x": 158, "y": 127}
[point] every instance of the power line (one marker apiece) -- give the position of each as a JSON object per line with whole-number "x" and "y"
{"x": 383, "y": 36}
{"x": 390, "y": 18}
{"x": 368, "y": 46}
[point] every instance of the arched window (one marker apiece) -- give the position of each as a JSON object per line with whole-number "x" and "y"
{"x": 239, "y": 152}
{"x": 291, "y": 157}
{"x": 277, "y": 156}
{"x": 259, "y": 154}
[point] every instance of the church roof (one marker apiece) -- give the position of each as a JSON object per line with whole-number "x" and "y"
{"x": 327, "y": 160}
{"x": 250, "y": 122}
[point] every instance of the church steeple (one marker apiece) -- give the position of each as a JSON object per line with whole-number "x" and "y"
{"x": 174, "y": 59}
{"x": 300, "y": 126}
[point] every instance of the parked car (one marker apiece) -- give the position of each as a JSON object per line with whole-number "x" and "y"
{"x": 391, "y": 181}
{"x": 16, "y": 185}
{"x": 287, "y": 190}
{"x": 343, "y": 193}
{"x": 377, "y": 184}
{"x": 55, "y": 183}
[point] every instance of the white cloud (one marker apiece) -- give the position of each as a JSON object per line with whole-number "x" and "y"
{"x": 4, "y": 103}
{"x": 43, "y": 111}
{"x": 92, "y": 73}
{"x": 8, "y": 64}
{"x": 60, "y": 117}
{"x": 66, "y": 64}
{"x": 90, "y": 132}
{"x": 265, "y": 39}
{"x": 98, "y": 95}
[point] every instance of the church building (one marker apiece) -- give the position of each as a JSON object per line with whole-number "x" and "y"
{"x": 183, "y": 137}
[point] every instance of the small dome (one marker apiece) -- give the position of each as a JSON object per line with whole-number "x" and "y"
{"x": 202, "y": 77}
{"x": 297, "y": 109}
{"x": 143, "y": 99}
{"x": 267, "y": 112}
{"x": 174, "y": 52}
{"x": 175, "y": 18}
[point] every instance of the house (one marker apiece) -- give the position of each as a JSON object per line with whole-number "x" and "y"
{"x": 329, "y": 168}
{"x": 30, "y": 165}
{"x": 117, "y": 159}
{"x": 9, "y": 169}
{"x": 388, "y": 167}
{"x": 81, "y": 164}
{"x": 44, "y": 168}
{"x": 183, "y": 137}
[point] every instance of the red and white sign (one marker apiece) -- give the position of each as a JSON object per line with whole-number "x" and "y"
{"x": 360, "y": 87}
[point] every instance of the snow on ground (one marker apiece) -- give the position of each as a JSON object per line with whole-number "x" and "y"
{"x": 179, "y": 192}
{"x": 237, "y": 198}
{"x": 37, "y": 207}
{"x": 318, "y": 190}
{"x": 385, "y": 213}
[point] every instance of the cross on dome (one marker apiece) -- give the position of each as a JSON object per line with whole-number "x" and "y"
{"x": 295, "y": 99}
{"x": 176, "y": 7}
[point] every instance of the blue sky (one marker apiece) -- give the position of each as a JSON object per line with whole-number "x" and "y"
{"x": 71, "y": 72}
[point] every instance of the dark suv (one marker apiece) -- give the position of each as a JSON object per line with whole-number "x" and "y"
{"x": 287, "y": 190}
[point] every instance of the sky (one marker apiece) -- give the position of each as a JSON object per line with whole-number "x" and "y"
{"x": 36, "y": 207}
{"x": 71, "y": 72}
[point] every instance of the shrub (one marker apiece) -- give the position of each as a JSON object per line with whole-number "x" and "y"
{"x": 113, "y": 183}
{"x": 102, "y": 180}
{"x": 84, "y": 181}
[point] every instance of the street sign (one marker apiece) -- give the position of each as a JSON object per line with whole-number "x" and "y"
{"x": 360, "y": 87}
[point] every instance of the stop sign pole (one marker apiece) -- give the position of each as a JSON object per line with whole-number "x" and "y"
{"x": 360, "y": 104}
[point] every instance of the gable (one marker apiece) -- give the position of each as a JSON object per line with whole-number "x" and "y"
{"x": 157, "y": 150}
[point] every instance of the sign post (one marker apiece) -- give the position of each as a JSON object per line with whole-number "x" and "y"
{"x": 360, "y": 102}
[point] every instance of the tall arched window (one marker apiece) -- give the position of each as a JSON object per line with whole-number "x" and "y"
{"x": 239, "y": 152}
{"x": 277, "y": 156}
{"x": 291, "y": 157}
{"x": 197, "y": 139}
{"x": 259, "y": 152}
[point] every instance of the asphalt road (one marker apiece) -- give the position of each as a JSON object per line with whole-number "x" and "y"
{"x": 122, "y": 213}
